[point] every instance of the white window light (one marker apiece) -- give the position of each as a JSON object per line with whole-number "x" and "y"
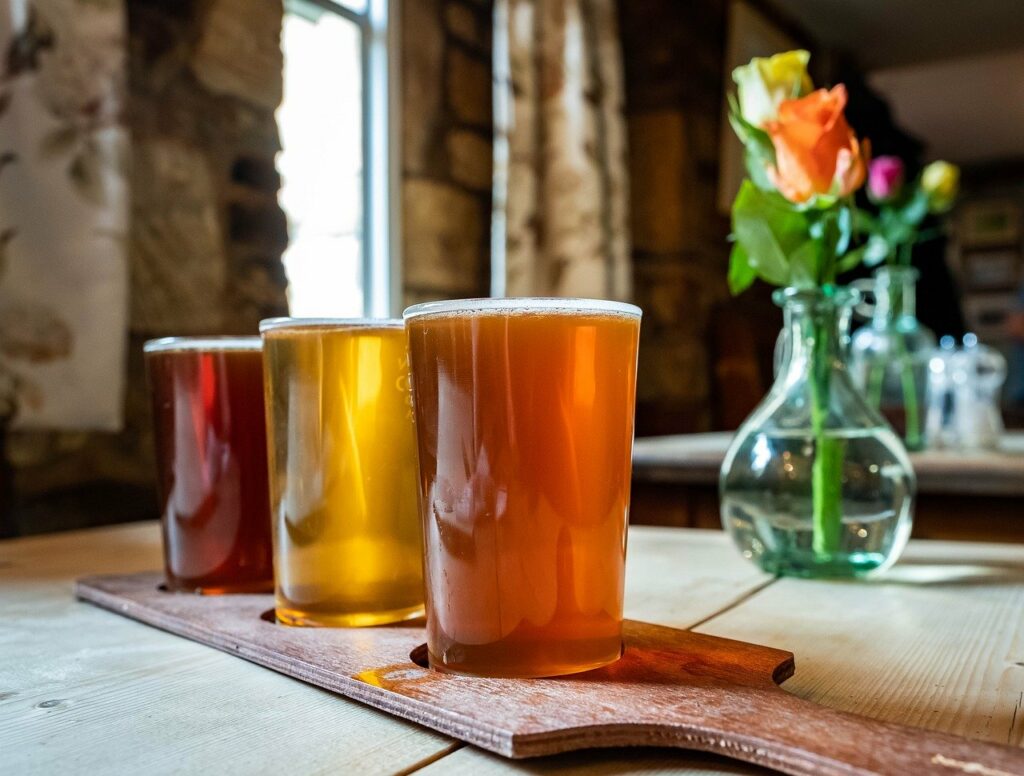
{"x": 337, "y": 166}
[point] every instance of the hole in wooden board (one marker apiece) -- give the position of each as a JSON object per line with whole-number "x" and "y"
{"x": 162, "y": 587}
{"x": 419, "y": 656}
{"x": 269, "y": 616}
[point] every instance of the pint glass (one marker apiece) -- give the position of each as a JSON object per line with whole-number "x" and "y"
{"x": 524, "y": 417}
{"x": 347, "y": 538}
{"x": 211, "y": 455}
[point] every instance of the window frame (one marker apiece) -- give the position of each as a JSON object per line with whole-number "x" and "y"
{"x": 380, "y": 65}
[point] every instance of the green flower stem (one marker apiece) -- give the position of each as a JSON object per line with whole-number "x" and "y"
{"x": 826, "y": 471}
{"x": 913, "y": 415}
{"x": 876, "y": 376}
{"x": 905, "y": 254}
{"x": 908, "y": 381}
{"x": 911, "y": 412}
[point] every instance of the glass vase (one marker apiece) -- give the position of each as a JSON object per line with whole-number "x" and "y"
{"x": 815, "y": 483}
{"x": 889, "y": 356}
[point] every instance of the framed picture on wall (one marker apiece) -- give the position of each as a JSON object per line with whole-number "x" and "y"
{"x": 991, "y": 270}
{"x": 985, "y": 315}
{"x": 750, "y": 34}
{"x": 992, "y": 222}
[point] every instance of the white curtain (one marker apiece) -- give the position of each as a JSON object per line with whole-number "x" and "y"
{"x": 63, "y": 213}
{"x": 561, "y": 196}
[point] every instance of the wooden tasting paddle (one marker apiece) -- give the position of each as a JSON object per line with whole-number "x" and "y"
{"x": 671, "y": 688}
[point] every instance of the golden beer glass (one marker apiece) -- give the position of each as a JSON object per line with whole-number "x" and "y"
{"x": 342, "y": 462}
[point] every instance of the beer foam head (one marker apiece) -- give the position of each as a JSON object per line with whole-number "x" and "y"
{"x": 522, "y": 306}
{"x": 274, "y": 324}
{"x": 210, "y": 343}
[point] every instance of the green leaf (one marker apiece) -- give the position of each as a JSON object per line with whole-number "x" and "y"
{"x": 877, "y": 250}
{"x": 760, "y": 151}
{"x": 929, "y": 234}
{"x": 769, "y": 230}
{"x": 864, "y": 222}
{"x": 757, "y": 168}
{"x": 844, "y": 223}
{"x": 819, "y": 202}
{"x": 736, "y": 121}
{"x": 851, "y": 260}
{"x": 913, "y": 213}
{"x": 804, "y": 263}
{"x": 741, "y": 273}
{"x": 746, "y": 131}
{"x": 895, "y": 228}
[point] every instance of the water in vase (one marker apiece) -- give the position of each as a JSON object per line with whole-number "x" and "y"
{"x": 767, "y": 506}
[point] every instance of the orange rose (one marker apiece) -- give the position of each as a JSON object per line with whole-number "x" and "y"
{"x": 816, "y": 152}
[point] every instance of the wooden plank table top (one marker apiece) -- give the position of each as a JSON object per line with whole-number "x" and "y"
{"x": 696, "y": 458}
{"x": 938, "y": 642}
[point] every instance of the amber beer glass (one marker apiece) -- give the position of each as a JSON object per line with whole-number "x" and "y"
{"x": 524, "y": 417}
{"x": 347, "y": 540}
{"x": 211, "y": 456}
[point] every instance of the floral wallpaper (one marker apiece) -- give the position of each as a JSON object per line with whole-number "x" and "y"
{"x": 63, "y": 213}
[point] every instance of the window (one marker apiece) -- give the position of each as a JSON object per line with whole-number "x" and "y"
{"x": 334, "y": 163}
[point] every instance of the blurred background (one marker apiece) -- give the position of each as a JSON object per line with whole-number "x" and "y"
{"x": 192, "y": 167}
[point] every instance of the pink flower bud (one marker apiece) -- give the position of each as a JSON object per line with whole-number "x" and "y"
{"x": 885, "y": 178}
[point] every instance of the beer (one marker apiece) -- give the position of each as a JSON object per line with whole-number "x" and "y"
{"x": 211, "y": 456}
{"x": 343, "y": 473}
{"x": 524, "y": 415}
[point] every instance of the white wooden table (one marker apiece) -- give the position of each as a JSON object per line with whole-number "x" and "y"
{"x": 938, "y": 642}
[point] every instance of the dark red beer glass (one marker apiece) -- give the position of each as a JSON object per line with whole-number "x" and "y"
{"x": 211, "y": 455}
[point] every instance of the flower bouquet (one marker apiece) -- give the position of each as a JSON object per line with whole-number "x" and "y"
{"x": 902, "y": 207}
{"x": 890, "y": 355}
{"x": 792, "y": 492}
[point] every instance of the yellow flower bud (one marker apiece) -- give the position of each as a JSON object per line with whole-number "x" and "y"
{"x": 941, "y": 182}
{"x": 766, "y": 82}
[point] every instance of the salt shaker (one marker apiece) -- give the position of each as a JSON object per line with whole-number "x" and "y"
{"x": 940, "y": 431}
{"x": 978, "y": 373}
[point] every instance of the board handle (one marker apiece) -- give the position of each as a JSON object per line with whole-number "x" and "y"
{"x": 803, "y": 738}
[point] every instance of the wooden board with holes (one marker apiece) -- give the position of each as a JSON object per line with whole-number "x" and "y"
{"x": 671, "y": 688}
{"x": 73, "y": 678}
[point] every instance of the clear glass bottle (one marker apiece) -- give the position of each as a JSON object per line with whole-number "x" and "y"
{"x": 844, "y": 323}
{"x": 815, "y": 483}
{"x": 889, "y": 356}
{"x": 939, "y": 424}
{"x": 977, "y": 373}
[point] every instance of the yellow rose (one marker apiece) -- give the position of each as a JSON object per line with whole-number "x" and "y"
{"x": 941, "y": 182}
{"x": 765, "y": 83}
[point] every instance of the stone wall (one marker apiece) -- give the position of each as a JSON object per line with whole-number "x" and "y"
{"x": 206, "y": 233}
{"x": 446, "y": 148}
{"x": 206, "y": 230}
{"x": 673, "y": 55}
